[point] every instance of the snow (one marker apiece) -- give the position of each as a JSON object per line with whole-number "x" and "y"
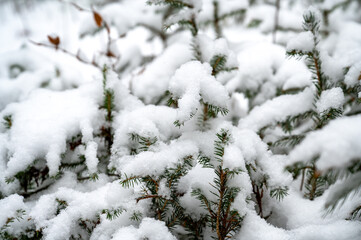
{"x": 257, "y": 63}
{"x": 91, "y": 156}
{"x": 302, "y": 42}
{"x": 9, "y": 205}
{"x": 154, "y": 81}
{"x": 347, "y": 187}
{"x": 353, "y": 75}
{"x": 154, "y": 163}
{"x": 342, "y": 230}
{"x": 345, "y": 48}
{"x": 278, "y": 109}
{"x": 193, "y": 81}
{"x": 197, "y": 178}
{"x": 211, "y": 48}
{"x": 336, "y": 144}
{"x": 256, "y": 228}
{"x": 54, "y": 99}
{"x": 144, "y": 121}
{"x": 332, "y": 98}
{"x": 309, "y": 226}
{"x": 239, "y": 104}
{"x": 148, "y": 229}
{"x": 293, "y": 74}
{"x": 256, "y": 152}
{"x": 80, "y": 205}
{"x": 43, "y": 123}
{"x": 233, "y": 158}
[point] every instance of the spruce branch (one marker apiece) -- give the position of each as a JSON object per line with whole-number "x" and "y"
{"x": 356, "y": 213}
{"x": 205, "y": 161}
{"x": 185, "y": 23}
{"x": 172, "y": 3}
{"x": 108, "y": 104}
{"x": 218, "y": 64}
{"x": 258, "y": 192}
{"x": 136, "y": 216}
{"x": 279, "y": 193}
{"x": 327, "y": 115}
{"x": 216, "y": 19}
{"x": 61, "y": 205}
{"x": 112, "y": 214}
{"x": 130, "y": 181}
{"x": 144, "y": 142}
{"x": 224, "y": 220}
{"x": 315, "y": 183}
{"x": 311, "y": 22}
{"x": 8, "y": 121}
{"x": 351, "y": 186}
{"x": 291, "y": 140}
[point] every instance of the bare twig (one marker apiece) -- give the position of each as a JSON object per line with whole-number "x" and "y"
{"x": 93, "y": 63}
{"x": 277, "y": 13}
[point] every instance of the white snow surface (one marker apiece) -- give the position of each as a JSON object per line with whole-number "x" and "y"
{"x": 278, "y": 109}
{"x": 9, "y": 205}
{"x": 149, "y": 228}
{"x": 336, "y": 144}
{"x": 154, "y": 163}
{"x": 193, "y": 81}
{"x": 302, "y": 42}
{"x": 43, "y": 123}
{"x": 332, "y": 98}
{"x": 257, "y": 63}
{"x": 353, "y": 75}
{"x": 154, "y": 81}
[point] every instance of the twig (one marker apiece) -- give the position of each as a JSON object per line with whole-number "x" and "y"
{"x": 28, "y": 194}
{"x": 93, "y": 63}
{"x": 76, "y": 6}
{"x": 276, "y": 20}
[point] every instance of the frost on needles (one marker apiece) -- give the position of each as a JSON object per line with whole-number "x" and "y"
{"x": 180, "y": 119}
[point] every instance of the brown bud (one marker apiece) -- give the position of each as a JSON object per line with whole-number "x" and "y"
{"x": 317, "y": 174}
{"x": 98, "y": 19}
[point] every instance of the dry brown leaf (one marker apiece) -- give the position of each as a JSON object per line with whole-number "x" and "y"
{"x": 54, "y": 40}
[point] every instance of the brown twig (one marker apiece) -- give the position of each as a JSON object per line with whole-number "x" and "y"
{"x": 93, "y": 63}
{"x": 99, "y": 23}
{"x": 76, "y": 6}
{"x": 318, "y": 73}
{"x": 220, "y": 204}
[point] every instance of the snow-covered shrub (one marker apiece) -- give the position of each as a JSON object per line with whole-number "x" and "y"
{"x": 180, "y": 119}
